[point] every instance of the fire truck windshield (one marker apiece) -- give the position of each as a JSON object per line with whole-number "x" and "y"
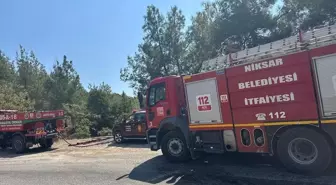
{"x": 156, "y": 94}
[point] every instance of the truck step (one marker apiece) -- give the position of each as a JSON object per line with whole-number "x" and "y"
{"x": 152, "y": 139}
{"x": 212, "y": 148}
{"x": 135, "y": 138}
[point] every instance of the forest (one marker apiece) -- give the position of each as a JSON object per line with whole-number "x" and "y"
{"x": 169, "y": 47}
{"x": 25, "y": 85}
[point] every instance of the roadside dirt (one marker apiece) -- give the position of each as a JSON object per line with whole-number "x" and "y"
{"x": 102, "y": 148}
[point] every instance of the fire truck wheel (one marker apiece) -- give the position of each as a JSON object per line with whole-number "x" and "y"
{"x": 47, "y": 143}
{"x": 174, "y": 147}
{"x": 18, "y": 144}
{"x": 118, "y": 138}
{"x": 3, "y": 145}
{"x": 304, "y": 150}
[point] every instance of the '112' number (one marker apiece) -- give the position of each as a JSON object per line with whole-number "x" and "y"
{"x": 277, "y": 115}
{"x": 203, "y": 100}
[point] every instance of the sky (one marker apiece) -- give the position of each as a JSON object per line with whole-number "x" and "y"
{"x": 96, "y": 35}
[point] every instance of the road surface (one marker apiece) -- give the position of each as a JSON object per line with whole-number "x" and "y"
{"x": 107, "y": 163}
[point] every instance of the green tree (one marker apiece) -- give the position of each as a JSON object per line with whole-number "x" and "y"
{"x": 200, "y": 38}
{"x": 162, "y": 50}
{"x": 100, "y": 104}
{"x": 246, "y": 23}
{"x": 167, "y": 49}
{"x": 99, "y": 99}
{"x": 31, "y": 76}
{"x": 7, "y": 69}
{"x": 12, "y": 99}
{"x": 108, "y": 108}
{"x": 127, "y": 104}
{"x": 63, "y": 85}
{"x": 308, "y": 14}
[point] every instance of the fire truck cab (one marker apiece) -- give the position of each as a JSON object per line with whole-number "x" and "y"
{"x": 277, "y": 99}
{"x": 131, "y": 128}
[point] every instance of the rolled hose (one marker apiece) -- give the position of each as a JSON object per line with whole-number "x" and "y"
{"x": 59, "y": 135}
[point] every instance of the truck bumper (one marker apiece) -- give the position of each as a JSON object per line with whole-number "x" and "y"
{"x": 53, "y": 135}
{"x": 152, "y": 140}
{"x": 50, "y": 135}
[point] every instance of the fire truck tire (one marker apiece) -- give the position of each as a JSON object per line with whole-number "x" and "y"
{"x": 18, "y": 144}
{"x": 304, "y": 150}
{"x": 174, "y": 147}
{"x": 3, "y": 145}
{"x": 118, "y": 137}
{"x": 47, "y": 143}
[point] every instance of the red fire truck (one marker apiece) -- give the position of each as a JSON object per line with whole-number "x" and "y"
{"x": 277, "y": 99}
{"x": 21, "y": 130}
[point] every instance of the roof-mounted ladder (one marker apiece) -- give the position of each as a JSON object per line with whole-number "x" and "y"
{"x": 321, "y": 36}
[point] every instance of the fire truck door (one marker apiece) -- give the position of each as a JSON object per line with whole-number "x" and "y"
{"x": 325, "y": 69}
{"x": 128, "y": 130}
{"x": 139, "y": 126}
{"x": 158, "y": 107}
{"x": 203, "y": 102}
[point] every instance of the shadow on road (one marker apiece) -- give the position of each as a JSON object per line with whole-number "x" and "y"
{"x": 237, "y": 169}
{"x": 8, "y": 153}
{"x": 130, "y": 144}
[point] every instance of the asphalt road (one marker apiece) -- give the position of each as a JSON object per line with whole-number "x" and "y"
{"x": 135, "y": 164}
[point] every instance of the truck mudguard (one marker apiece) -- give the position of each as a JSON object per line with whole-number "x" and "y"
{"x": 171, "y": 123}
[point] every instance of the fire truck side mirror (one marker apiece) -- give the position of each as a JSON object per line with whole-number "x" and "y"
{"x": 140, "y": 99}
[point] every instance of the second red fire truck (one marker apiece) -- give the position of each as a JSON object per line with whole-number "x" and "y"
{"x": 277, "y": 99}
{"x": 21, "y": 130}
